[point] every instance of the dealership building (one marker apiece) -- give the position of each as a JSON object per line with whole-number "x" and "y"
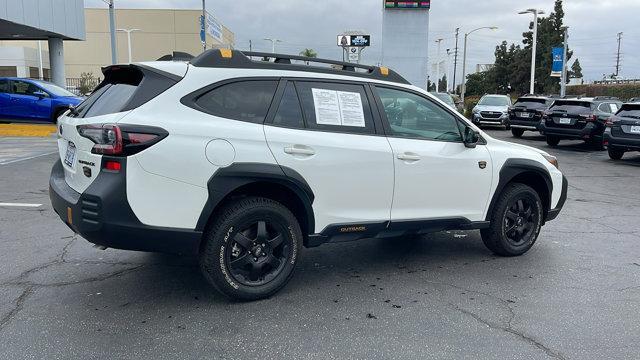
{"x": 86, "y": 46}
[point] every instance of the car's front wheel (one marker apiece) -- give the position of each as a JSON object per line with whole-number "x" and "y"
{"x": 252, "y": 248}
{"x": 515, "y": 220}
{"x": 517, "y": 132}
{"x": 552, "y": 140}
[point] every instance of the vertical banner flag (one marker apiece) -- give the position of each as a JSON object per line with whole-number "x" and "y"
{"x": 558, "y": 61}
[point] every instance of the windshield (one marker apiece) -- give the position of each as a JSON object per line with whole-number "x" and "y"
{"x": 494, "y": 101}
{"x": 54, "y": 89}
{"x": 446, "y": 98}
{"x": 531, "y": 103}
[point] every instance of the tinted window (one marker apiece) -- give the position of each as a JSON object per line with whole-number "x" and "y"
{"x": 630, "y": 111}
{"x": 24, "y": 88}
{"x": 573, "y": 107}
{"x": 336, "y": 107}
{"x": 4, "y": 86}
{"x": 244, "y": 100}
{"x": 289, "y": 113}
{"x": 413, "y": 116}
{"x": 55, "y": 89}
{"x": 495, "y": 101}
{"x": 112, "y": 99}
{"x": 446, "y": 98}
{"x": 531, "y": 103}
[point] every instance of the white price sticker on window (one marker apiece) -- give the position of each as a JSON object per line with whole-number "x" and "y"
{"x": 338, "y": 108}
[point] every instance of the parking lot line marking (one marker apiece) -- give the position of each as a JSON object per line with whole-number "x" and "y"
{"x": 27, "y": 158}
{"x": 20, "y": 205}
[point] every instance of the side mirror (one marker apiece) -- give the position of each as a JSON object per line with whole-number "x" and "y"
{"x": 41, "y": 94}
{"x": 471, "y": 137}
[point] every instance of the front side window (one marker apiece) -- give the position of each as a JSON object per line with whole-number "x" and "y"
{"x": 413, "y": 116}
{"x": 336, "y": 107}
{"x": 243, "y": 100}
{"x": 24, "y": 88}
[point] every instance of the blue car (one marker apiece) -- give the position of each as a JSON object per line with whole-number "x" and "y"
{"x": 33, "y": 100}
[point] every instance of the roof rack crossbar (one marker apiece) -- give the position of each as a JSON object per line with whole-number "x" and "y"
{"x": 309, "y": 59}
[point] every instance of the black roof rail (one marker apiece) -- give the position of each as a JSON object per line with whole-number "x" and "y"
{"x": 176, "y": 56}
{"x": 225, "y": 58}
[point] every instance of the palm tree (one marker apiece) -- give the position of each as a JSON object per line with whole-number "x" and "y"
{"x": 310, "y": 53}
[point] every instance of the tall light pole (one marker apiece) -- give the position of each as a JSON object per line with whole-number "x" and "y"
{"x": 447, "y": 70}
{"x": 563, "y": 78}
{"x": 463, "y": 87}
{"x": 535, "y": 13}
{"x": 112, "y": 30}
{"x": 129, "y": 31}
{"x": 439, "y": 41}
{"x": 273, "y": 43}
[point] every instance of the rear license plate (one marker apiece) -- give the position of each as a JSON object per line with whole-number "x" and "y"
{"x": 635, "y": 129}
{"x": 524, "y": 115}
{"x": 565, "y": 121}
{"x": 70, "y": 156}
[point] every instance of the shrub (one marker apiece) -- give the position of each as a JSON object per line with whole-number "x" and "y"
{"x": 621, "y": 91}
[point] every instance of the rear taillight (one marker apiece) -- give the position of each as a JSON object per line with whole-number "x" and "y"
{"x": 610, "y": 121}
{"x": 589, "y": 117}
{"x": 122, "y": 140}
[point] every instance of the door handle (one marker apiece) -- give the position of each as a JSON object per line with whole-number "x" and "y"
{"x": 412, "y": 157}
{"x": 299, "y": 150}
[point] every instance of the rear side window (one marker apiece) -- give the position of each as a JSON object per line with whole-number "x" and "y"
{"x": 573, "y": 107}
{"x": 123, "y": 89}
{"x": 4, "y": 86}
{"x": 289, "y": 113}
{"x": 243, "y": 100}
{"x": 336, "y": 107}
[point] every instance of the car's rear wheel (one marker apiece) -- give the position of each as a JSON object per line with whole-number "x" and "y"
{"x": 252, "y": 248}
{"x": 552, "y": 140}
{"x": 517, "y": 132}
{"x": 615, "y": 154}
{"x": 516, "y": 220}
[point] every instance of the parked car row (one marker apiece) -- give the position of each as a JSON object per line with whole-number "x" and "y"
{"x": 602, "y": 121}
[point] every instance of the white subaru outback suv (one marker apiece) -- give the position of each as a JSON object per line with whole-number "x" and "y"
{"x": 244, "y": 158}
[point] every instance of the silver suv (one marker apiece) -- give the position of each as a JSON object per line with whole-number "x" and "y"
{"x": 492, "y": 110}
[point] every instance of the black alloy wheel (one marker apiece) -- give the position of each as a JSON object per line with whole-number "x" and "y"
{"x": 258, "y": 253}
{"x": 519, "y": 221}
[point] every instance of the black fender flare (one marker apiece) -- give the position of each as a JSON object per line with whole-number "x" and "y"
{"x": 514, "y": 167}
{"x": 226, "y": 180}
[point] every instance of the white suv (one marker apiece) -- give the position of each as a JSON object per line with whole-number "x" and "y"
{"x": 244, "y": 162}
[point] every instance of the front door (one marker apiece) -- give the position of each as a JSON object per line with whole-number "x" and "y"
{"x": 436, "y": 176}
{"x": 331, "y": 142}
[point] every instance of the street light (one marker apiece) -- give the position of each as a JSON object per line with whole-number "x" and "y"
{"x": 129, "y": 31}
{"x": 535, "y": 13}
{"x": 464, "y": 59}
{"x": 273, "y": 43}
{"x": 112, "y": 30}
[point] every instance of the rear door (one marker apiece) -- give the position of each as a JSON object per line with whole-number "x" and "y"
{"x": 23, "y": 100}
{"x": 326, "y": 131}
{"x": 436, "y": 176}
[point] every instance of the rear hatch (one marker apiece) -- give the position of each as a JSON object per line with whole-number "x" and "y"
{"x": 124, "y": 88}
{"x": 570, "y": 114}
{"x": 528, "y": 109}
{"x": 628, "y": 121}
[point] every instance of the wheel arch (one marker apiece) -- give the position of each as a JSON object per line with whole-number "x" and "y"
{"x": 272, "y": 181}
{"x": 528, "y": 172}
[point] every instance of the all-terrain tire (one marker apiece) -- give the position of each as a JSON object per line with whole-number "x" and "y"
{"x": 231, "y": 229}
{"x": 517, "y": 132}
{"x": 498, "y": 237}
{"x": 552, "y": 140}
{"x": 615, "y": 154}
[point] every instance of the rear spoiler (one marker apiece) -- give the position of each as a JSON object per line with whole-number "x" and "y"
{"x": 176, "y": 56}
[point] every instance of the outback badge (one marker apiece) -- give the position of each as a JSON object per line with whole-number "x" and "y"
{"x": 482, "y": 164}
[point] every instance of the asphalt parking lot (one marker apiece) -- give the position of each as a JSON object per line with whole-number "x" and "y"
{"x": 575, "y": 295}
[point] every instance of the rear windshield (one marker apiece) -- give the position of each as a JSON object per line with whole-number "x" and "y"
{"x": 531, "y": 103}
{"x": 631, "y": 111}
{"x": 123, "y": 89}
{"x": 573, "y": 107}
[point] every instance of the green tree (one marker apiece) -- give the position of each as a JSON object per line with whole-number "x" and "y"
{"x": 480, "y": 83}
{"x": 310, "y": 53}
{"x": 576, "y": 70}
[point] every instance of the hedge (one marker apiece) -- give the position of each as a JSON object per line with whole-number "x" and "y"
{"x": 623, "y": 91}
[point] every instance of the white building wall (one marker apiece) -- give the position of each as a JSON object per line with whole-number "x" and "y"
{"x": 62, "y": 18}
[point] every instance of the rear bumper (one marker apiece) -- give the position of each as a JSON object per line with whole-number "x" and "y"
{"x": 524, "y": 124}
{"x": 624, "y": 143}
{"x": 553, "y": 213}
{"x": 102, "y": 215}
{"x": 590, "y": 131}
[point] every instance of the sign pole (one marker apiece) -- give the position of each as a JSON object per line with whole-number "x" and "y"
{"x": 563, "y": 79}
{"x": 203, "y": 26}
